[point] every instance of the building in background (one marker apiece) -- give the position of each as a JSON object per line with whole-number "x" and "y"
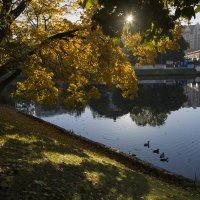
{"x": 191, "y": 34}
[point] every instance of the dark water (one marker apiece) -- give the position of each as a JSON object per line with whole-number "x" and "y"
{"x": 166, "y": 113}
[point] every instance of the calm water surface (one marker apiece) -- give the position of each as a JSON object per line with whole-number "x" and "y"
{"x": 166, "y": 113}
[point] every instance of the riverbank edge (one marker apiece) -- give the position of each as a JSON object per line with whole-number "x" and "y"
{"x": 166, "y": 72}
{"x": 129, "y": 161}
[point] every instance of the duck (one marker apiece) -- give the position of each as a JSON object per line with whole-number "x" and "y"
{"x": 162, "y": 155}
{"x": 164, "y": 159}
{"x": 146, "y": 144}
{"x": 156, "y": 151}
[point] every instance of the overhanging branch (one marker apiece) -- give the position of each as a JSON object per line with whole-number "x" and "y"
{"x": 20, "y": 8}
{"x": 18, "y": 63}
{"x": 68, "y": 34}
{"x": 64, "y": 35}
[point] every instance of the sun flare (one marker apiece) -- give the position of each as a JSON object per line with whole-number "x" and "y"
{"x": 129, "y": 18}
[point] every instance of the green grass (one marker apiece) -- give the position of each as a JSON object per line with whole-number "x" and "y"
{"x": 39, "y": 162}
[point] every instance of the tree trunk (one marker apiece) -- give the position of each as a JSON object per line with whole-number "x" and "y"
{"x": 8, "y": 80}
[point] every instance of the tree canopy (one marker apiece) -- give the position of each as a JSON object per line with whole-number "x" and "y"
{"x": 64, "y": 60}
{"x": 174, "y": 55}
{"x": 150, "y": 16}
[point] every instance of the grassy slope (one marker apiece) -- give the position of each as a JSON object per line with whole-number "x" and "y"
{"x": 38, "y": 162}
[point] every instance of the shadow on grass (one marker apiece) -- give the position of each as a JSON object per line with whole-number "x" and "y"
{"x": 33, "y": 167}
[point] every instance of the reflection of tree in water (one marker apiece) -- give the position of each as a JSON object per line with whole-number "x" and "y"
{"x": 41, "y": 110}
{"x": 152, "y": 107}
{"x": 153, "y": 104}
{"x": 45, "y": 110}
{"x": 144, "y": 116}
{"x": 105, "y": 107}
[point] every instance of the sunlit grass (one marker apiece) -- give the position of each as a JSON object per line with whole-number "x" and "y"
{"x": 57, "y": 158}
{"x": 28, "y": 139}
{"x": 94, "y": 177}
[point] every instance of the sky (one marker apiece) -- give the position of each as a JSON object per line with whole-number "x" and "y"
{"x": 197, "y": 20}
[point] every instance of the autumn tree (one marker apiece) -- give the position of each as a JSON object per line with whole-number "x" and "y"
{"x": 65, "y": 60}
{"x": 174, "y": 55}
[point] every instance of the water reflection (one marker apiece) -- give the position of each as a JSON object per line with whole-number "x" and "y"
{"x": 151, "y": 107}
{"x": 163, "y": 114}
{"x": 155, "y": 101}
{"x": 154, "y": 104}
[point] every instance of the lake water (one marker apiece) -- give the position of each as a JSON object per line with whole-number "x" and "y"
{"x": 166, "y": 113}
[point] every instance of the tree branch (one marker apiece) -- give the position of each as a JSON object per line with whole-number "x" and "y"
{"x": 8, "y": 80}
{"x": 20, "y": 8}
{"x": 63, "y": 35}
{"x": 11, "y": 64}
{"x": 6, "y": 7}
{"x": 7, "y": 4}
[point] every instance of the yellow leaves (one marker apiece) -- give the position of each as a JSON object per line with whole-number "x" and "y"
{"x": 166, "y": 43}
{"x": 4, "y": 56}
{"x": 77, "y": 64}
{"x": 39, "y": 87}
{"x": 146, "y": 52}
{"x": 132, "y": 41}
{"x": 80, "y": 96}
{"x": 43, "y": 18}
{"x": 76, "y": 92}
{"x": 128, "y": 84}
{"x": 94, "y": 93}
{"x": 102, "y": 62}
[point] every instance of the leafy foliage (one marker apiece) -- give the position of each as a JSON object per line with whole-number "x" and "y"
{"x": 64, "y": 59}
{"x": 147, "y": 51}
{"x": 61, "y": 58}
{"x": 175, "y": 55}
{"x": 154, "y": 17}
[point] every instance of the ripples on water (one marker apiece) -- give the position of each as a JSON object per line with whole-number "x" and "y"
{"x": 166, "y": 113}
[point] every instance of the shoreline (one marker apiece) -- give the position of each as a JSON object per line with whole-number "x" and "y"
{"x": 176, "y": 72}
{"x": 123, "y": 158}
{"x": 40, "y": 160}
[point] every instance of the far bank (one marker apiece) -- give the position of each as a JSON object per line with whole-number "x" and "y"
{"x": 166, "y": 72}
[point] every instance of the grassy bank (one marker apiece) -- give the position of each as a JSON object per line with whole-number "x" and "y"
{"x": 166, "y": 72}
{"x": 38, "y": 161}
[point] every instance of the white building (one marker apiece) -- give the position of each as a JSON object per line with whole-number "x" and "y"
{"x": 191, "y": 34}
